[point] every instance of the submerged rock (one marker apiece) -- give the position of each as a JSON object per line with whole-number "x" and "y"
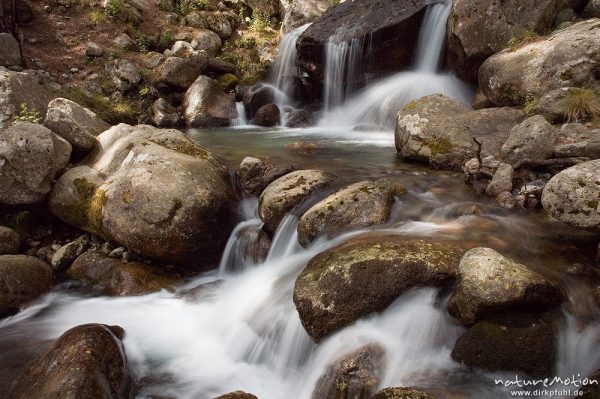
{"x": 30, "y": 157}
{"x": 153, "y": 191}
{"x": 401, "y": 393}
{"x": 285, "y": 193}
{"x": 365, "y": 275}
{"x": 359, "y": 205}
{"x": 573, "y": 196}
{"x": 522, "y": 342}
{"x": 355, "y": 375}
{"x": 87, "y": 361}
{"x": 22, "y": 280}
{"x": 488, "y": 282}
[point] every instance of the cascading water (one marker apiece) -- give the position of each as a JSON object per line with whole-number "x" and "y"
{"x": 379, "y": 103}
{"x": 342, "y": 67}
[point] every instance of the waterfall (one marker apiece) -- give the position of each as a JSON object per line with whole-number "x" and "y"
{"x": 342, "y": 68}
{"x": 241, "y": 119}
{"x": 379, "y": 103}
{"x": 286, "y": 62}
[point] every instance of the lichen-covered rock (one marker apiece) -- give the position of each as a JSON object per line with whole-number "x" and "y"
{"x": 533, "y": 139}
{"x": 10, "y": 241}
{"x": 206, "y": 105}
{"x": 179, "y": 73}
{"x": 573, "y": 196}
{"x": 355, "y": 375}
{"x": 281, "y": 196}
{"x": 478, "y": 29}
{"x": 218, "y": 22}
{"x": 502, "y": 181}
{"x": 296, "y": 13}
{"x": 30, "y": 157}
{"x": 74, "y": 123}
{"x": 359, "y": 205}
{"x": 153, "y": 191}
{"x": 568, "y": 58}
{"x": 365, "y": 275}
{"x": 22, "y": 280}
{"x": 114, "y": 277}
{"x": 124, "y": 73}
{"x": 440, "y": 131}
{"x": 206, "y": 40}
{"x": 401, "y": 393}
{"x": 488, "y": 282}
{"x": 87, "y": 361}
{"x": 518, "y": 342}
{"x": 16, "y": 89}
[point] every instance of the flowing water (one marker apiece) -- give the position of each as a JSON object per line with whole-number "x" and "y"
{"x": 244, "y": 333}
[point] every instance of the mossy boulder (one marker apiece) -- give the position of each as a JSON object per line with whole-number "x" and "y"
{"x": 488, "y": 282}
{"x": 359, "y": 205}
{"x": 517, "y": 342}
{"x": 153, "y": 191}
{"x": 355, "y": 375}
{"x": 288, "y": 191}
{"x": 366, "y": 274}
{"x": 87, "y": 361}
{"x": 573, "y": 196}
{"x": 440, "y": 131}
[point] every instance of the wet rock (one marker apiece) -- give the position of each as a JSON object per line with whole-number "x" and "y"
{"x": 237, "y": 395}
{"x": 302, "y": 118}
{"x": 30, "y": 157}
{"x": 267, "y": 115}
{"x": 567, "y": 58}
{"x": 401, "y": 393}
{"x": 114, "y": 277}
{"x": 296, "y": 13}
{"x": 66, "y": 255}
{"x": 229, "y": 82}
{"x": 256, "y": 97}
{"x": 10, "y": 51}
{"x": 125, "y": 74}
{"x": 533, "y": 139}
{"x": 355, "y": 375}
{"x": 164, "y": 114}
{"x": 517, "y": 342}
{"x": 506, "y": 200}
{"x": 365, "y": 275}
{"x": 392, "y": 28}
{"x": 217, "y": 22}
{"x": 10, "y": 241}
{"x": 207, "y": 40}
{"x": 572, "y": 196}
{"x": 17, "y": 88}
{"x": 440, "y": 131}
{"x": 153, "y": 191}
{"x": 220, "y": 67}
{"x": 87, "y": 361}
{"x": 285, "y": 193}
{"x": 74, "y": 123}
{"x": 501, "y": 182}
{"x": 478, "y": 29}
{"x": 22, "y": 280}
{"x": 357, "y": 206}
{"x": 206, "y": 105}
{"x": 488, "y": 282}
{"x": 179, "y": 73}
{"x": 255, "y": 175}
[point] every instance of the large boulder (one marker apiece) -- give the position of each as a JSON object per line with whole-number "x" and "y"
{"x": 359, "y": 205}
{"x": 206, "y": 105}
{"x": 568, "y": 58}
{"x": 74, "y": 123}
{"x": 18, "y": 88}
{"x": 533, "y": 139}
{"x": 10, "y": 51}
{"x": 285, "y": 193}
{"x": 179, "y": 73}
{"x": 30, "y": 157}
{"x": 365, "y": 275}
{"x": 296, "y": 13}
{"x": 392, "y": 28}
{"x": 114, "y": 277}
{"x": 478, "y": 29}
{"x": 153, "y": 191}
{"x": 10, "y": 241}
{"x": 207, "y": 40}
{"x": 518, "y": 342}
{"x": 441, "y": 131}
{"x": 355, "y": 375}
{"x": 86, "y": 362}
{"x": 22, "y": 280}
{"x": 573, "y": 196}
{"x": 488, "y": 282}
{"x": 257, "y": 97}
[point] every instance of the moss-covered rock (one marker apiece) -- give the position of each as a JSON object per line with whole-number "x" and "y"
{"x": 359, "y": 205}
{"x": 366, "y": 274}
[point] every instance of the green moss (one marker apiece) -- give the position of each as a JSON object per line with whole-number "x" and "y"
{"x": 438, "y": 146}
{"x": 411, "y": 105}
{"x": 228, "y": 81}
{"x": 114, "y": 8}
{"x": 182, "y": 147}
{"x": 530, "y": 103}
{"x": 87, "y": 211}
{"x": 113, "y": 112}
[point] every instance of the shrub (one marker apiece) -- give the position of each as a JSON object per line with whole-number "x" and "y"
{"x": 581, "y": 105}
{"x": 27, "y": 115}
{"x": 97, "y": 17}
{"x": 530, "y": 104}
{"x": 184, "y": 7}
{"x": 114, "y": 8}
{"x": 260, "y": 22}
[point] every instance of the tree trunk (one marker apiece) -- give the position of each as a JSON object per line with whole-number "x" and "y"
{"x": 8, "y": 20}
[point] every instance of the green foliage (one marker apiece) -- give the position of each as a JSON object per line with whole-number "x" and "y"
{"x": 97, "y": 17}
{"x": 247, "y": 43}
{"x": 530, "y": 104}
{"x": 522, "y": 38}
{"x": 166, "y": 39}
{"x": 259, "y": 22}
{"x": 581, "y": 105}
{"x": 145, "y": 91}
{"x": 243, "y": 54}
{"x": 166, "y": 5}
{"x": 143, "y": 42}
{"x": 27, "y": 115}
{"x": 114, "y": 8}
{"x": 184, "y": 7}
